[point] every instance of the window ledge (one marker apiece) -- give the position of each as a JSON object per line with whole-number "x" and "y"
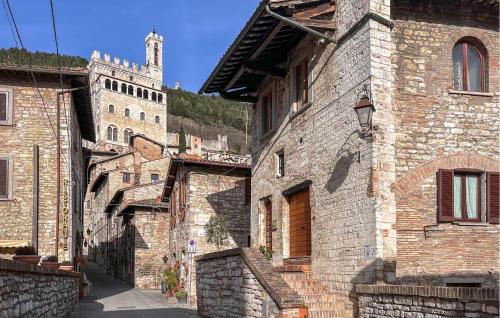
{"x": 471, "y": 223}
{"x": 6, "y": 199}
{"x": 300, "y": 111}
{"x": 484, "y": 94}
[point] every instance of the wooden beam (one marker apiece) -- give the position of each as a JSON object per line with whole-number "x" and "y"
{"x": 273, "y": 71}
{"x": 314, "y": 12}
{"x": 320, "y": 24}
{"x": 255, "y": 54}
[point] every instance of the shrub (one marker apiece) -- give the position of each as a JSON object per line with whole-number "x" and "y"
{"x": 67, "y": 263}
{"x": 25, "y": 250}
{"x": 266, "y": 252}
{"x": 171, "y": 277}
{"x": 217, "y": 230}
{"x": 181, "y": 294}
{"x": 50, "y": 258}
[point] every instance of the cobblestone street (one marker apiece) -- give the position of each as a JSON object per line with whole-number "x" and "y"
{"x": 111, "y": 298}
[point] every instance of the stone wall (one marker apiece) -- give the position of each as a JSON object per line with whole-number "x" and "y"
{"x": 210, "y": 193}
{"x": 438, "y": 128}
{"x": 30, "y": 126}
{"x": 240, "y": 283}
{"x": 34, "y": 291}
{"x": 377, "y": 301}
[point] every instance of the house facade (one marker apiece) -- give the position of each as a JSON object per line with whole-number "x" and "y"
{"x": 410, "y": 198}
{"x": 127, "y": 99}
{"x": 126, "y": 224}
{"x": 198, "y": 192}
{"x": 41, "y": 179}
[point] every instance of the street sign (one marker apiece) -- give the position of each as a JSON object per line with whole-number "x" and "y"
{"x": 192, "y": 246}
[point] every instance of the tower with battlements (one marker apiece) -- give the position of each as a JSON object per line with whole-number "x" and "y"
{"x": 127, "y": 98}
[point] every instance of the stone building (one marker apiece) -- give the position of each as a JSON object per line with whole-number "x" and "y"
{"x": 125, "y": 221}
{"x": 128, "y": 99}
{"x": 198, "y": 190}
{"x": 410, "y": 197}
{"x": 37, "y": 184}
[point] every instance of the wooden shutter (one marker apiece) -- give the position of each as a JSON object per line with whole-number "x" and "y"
{"x": 269, "y": 224}
{"x": 445, "y": 195}
{"x": 4, "y": 178}
{"x": 493, "y": 193}
{"x": 3, "y": 107}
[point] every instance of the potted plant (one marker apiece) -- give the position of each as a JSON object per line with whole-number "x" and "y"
{"x": 303, "y": 311}
{"x": 26, "y": 254}
{"x": 66, "y": 266}
{"x": 50, "y": 261}
{"x": 181, "y": 296}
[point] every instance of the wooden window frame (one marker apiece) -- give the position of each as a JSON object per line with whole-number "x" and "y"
{"x": 465, "y": 47}
{"x": 10, "y": 176}
{"x": 463, "y": 191}
{"x": 267, "y": 108}
{"x": 301, "y": 84}
{"x": 9, "y": 92}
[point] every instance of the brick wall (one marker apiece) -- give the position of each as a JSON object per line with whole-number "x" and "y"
{"x": 34, "y": 291}
{"x": 430, "y": 302}
{"x": 439, "y": 129}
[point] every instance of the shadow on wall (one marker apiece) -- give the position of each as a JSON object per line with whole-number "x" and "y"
{"x": 230, "y": 203}
{"x": 340, "y": 172}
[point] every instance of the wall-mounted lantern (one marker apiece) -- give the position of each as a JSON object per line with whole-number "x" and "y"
{"x": 364, "y": 110}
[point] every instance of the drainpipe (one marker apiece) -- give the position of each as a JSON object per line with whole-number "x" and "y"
{"x": 298, "y": 25}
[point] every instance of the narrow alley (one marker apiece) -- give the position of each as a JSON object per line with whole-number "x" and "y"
{"x": 111, "y": 298}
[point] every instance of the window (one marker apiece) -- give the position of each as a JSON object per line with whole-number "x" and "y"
{"x": 468, "y": 68}
{"x": 126, "y": 135}
{"x": 182, "y": 197}
{"x": 111, "y": 108}
{"x": 267, "y": 113}
{"x": 155, "y": 178}
{"x": 301, "y": 84}
{"x": 153, "y": 96}
{"x": 156, "y": 54}
{"x": 107, "y": 84}
{"x": 157, "y": 119}
{"x": 6, "y": 107}
{"x": 145, "y": 94}
{"x": 248, "y": 190}
{"x": 160, "y": 98}
{"x": 112, "y": 73}
{"x": 130, "y": 90}
{"x": 460, "y": 198}
{"x": 115, "y": 86}
{"x": 124, "y": 88}
{"x": 142, "y": 116}
{"x": 127, "y": 112}
{"x": 280, "y": 164}
{"x": 112, "y": 133}
{"x": 126, "y": 177}
{"x": 131, "y": 78}
{"x": 5, "y": 177}
{"x": 139, "y": 92}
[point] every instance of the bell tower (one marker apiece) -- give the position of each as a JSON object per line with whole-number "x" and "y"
{"x": 154, "y": 55}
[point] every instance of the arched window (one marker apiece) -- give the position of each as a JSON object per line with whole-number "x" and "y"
{"x": 469, "y": 72}
{"x": 112, "y": 73}
{"x": 124, "y": 88}
{"x": 107, "y": 84}
{"x": 115, "y": 86}
{"x": 111, "y": 108}
{"x": 126, "y": 135}
{"x": 160, "y": 98}
{"x": 156, "y": 54}
{"x": 157, "y": 119}
{"x": 145, "y": 94}
{"x": 130, "y": 90}
{"x": 112, "y": 133}
{"x": 127, "y": 112}
{"x": 139, "y": 92}
{"x": 143, "y": 116}
{"x": 153, "y": 96}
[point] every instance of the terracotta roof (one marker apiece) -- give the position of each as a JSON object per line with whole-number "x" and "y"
{"x": 150, "y": 203}
{"x": 46, "y": 69}
{"x": 147, "y": 138}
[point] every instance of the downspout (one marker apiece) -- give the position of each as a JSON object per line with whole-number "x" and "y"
{"x": 298, "y": 25}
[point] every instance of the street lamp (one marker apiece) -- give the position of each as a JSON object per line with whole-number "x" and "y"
{"x": 364, "y": 109}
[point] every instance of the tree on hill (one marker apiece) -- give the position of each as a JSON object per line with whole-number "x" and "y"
{"x": 15, "y": 56}
{"x": 182, "y": 140}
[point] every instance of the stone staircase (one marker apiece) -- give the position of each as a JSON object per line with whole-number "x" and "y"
{"x": 319, "y": 300}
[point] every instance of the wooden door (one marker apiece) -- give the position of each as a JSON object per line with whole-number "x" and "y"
{"x": 300, "y": 224}
{"x": 269, "y": 224}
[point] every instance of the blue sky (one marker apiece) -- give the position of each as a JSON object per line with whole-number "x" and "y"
{"x": 196, "y": 32}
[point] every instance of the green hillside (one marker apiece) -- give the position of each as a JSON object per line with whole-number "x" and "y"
{"x": 24, "y": 57}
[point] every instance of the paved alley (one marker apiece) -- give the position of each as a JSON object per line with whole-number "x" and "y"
{"x": 112, "y": 298}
